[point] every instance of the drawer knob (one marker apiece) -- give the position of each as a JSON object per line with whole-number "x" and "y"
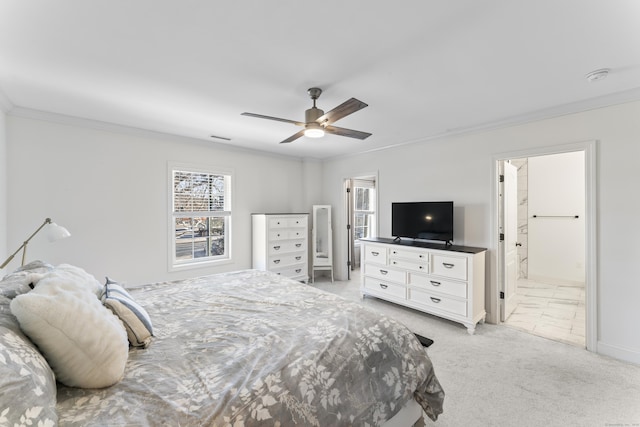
{"x": 436, "y": 300}
{"x": 298, "y": 270}
{"x": 375, "y": 253}
{"x": 448, "y": 265}
{"x": 276, "y": 261}
{"x": 421, "y": 267}
{"x": 276, "y": 248}
{"x": 434, "y": 283}
{"x": 298, "y": 245}
{"x": 298, "y": 258}
{"x": 383, "y": 271}
{"x": 420, "y": 256}
{"x": 395, "y": 252}
{"x": 383, "y": 286}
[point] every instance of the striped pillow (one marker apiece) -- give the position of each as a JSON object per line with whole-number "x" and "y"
{"x": 136, "y": 320}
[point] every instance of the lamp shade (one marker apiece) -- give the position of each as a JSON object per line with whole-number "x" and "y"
{"x": 56, "y": 232}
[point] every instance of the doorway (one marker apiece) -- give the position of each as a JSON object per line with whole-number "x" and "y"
{"x": 361, "y": 203}
{"x": 546, "y": 279}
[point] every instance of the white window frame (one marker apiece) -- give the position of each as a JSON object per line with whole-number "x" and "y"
{"x": 179, "y": 264}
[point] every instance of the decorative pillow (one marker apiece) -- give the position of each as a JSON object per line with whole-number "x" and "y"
{"x": 84, "y": 343}
{"x": 27, "y": 384}
{"x": 22, "y": 280}
{"x": 136, "y": 320}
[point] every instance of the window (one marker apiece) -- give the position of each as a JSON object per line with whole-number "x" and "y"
{"x": 200, "y": 216}
{"x": 364, "y": 212}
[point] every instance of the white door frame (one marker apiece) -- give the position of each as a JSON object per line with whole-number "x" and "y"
{"x": 343, "y": 235}
{"x": 591, "y": 267}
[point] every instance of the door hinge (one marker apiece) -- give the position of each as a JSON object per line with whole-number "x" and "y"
{"x": 348, "y": 190}
{"x": 502, "y": 237}
{"x": 501, "y": 178}
{"x": 348, "y": 226}
{"x": 501, "y": 295}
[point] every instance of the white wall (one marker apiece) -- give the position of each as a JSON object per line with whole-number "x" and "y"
{"x": 459, "y": 168}
{"x": 111, "y": 191}
{"x": 557, "y": 245}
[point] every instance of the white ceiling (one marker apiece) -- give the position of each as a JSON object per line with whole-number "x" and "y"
{"x": 425, "y": 67}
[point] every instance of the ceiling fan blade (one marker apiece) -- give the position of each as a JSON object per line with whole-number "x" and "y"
{"x": 293, "y": 137}
{"x": 260, "y": 116}
{"x": 342, "y": 110}
{"x": 347, "y": 132}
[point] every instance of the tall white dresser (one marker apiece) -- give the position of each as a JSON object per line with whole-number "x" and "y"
{"x": 281, "y": 244}
{"x": 446, "y": 281}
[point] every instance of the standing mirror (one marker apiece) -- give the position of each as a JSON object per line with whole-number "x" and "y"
{"x": 322, "y": 245}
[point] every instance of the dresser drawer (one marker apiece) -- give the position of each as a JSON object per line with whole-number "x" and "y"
{"x": 297, "y": 233}
{"x": 385, "y": 273}
{"x": 376, "y": 254}
{"x": 418, "y": 256}
{"x": 278, "y": 223}
{"x": 457, "y": 289}
{"x": 284, "y": 247}
{"x": 448, "y": 266}
{"x": 292, "y": 271}
{"x": 289, "y": 259}
{"x": 297, "y": 222}
{"x": 418, "y": 265}
{"x": 385, "y": 288}
{"x": 281, "y": 222}
{"x": 286, "y": 234}
{"x": 439, "y": 302}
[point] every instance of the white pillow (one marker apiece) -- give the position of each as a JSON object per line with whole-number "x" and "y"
{"x": 85, "y": 344}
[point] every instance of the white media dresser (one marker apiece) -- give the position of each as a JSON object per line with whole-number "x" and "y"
{"x": 446, "y": 281}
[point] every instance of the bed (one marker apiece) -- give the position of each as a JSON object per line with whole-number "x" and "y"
{"x": 253, "y": 348}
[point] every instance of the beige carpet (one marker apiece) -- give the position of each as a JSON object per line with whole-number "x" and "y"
{"x": 505, "y": 377}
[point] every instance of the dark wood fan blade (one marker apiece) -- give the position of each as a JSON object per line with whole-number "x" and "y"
{"x": 347, "y": 132}
{"x": 260, "y": 116}
{"x": 342, "y": 110}
{"x": 293, "y": 137}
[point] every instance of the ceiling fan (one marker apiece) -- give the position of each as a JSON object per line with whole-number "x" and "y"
{"x": 317, "y": 122}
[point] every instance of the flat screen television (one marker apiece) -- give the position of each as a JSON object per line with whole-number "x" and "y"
{"x": 423, "y": 220}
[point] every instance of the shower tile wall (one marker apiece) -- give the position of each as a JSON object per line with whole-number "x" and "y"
{"x": 523, "y": 216}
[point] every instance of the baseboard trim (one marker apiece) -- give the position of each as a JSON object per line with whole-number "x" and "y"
{"x": 617, "y": 352}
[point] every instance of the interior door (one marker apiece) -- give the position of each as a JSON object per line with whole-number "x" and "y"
{"x": 510, "y": 243}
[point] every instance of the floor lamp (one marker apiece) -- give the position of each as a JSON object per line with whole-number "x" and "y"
{"x": 54, "y": 232}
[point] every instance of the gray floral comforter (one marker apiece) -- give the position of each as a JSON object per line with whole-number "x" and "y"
{"x": 253, "y": 348}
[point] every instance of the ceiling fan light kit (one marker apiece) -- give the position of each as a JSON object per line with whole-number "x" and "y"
{"x": 313, "y": 130}
{"x": 317, "y": 123}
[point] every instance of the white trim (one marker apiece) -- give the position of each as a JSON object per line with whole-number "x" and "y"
{"x": 591, "y": 261}
{"x": 5, "y": 103}
{"x": 603, "y": 101}
{"x": 619, "y": 353}
{"x": 172, "y": 266}
{"x": 342, "y": 237}
{"x": 81, "y": 122}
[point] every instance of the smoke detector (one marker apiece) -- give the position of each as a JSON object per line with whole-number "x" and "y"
{"x": 596, "y": 75}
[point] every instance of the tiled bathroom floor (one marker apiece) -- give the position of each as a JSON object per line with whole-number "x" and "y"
{"x": 554, "y": 311}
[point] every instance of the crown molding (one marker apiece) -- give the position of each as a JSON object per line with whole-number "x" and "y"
{"x": 631, "y": 95}
{"x": 82, "y": 122}
{"x": 5, "y": 103}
